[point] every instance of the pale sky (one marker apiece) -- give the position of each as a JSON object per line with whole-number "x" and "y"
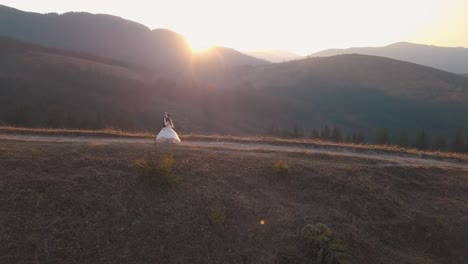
{"x": 300, "y": 26}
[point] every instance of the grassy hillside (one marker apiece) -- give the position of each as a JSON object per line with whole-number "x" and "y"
{"x": 72, "y": 202}
{"x": 44, "y": 87}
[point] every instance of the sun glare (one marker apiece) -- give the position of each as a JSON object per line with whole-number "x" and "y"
{"x": 200, "y": 46}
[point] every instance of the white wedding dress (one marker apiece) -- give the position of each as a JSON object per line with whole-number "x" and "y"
{"x": 167, "y": 134}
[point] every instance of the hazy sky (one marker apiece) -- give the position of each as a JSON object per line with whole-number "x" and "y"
{"x": 301, "y": 26}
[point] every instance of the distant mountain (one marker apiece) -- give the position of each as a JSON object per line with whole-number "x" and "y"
{"x": 108, "y": 36}
{"x": 49, "y": 87}
{"x": 274, "y": 55}
{"x": 42, "y": 86}
{"x": 448, "y": 59}
{"x": 359, "y": 92}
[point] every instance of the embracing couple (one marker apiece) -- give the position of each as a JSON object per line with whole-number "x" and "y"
{"x": 167, "y": 134}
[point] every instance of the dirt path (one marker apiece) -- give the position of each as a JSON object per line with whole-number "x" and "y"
{"x": 385, "y": 159}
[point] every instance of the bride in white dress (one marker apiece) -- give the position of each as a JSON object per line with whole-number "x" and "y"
{"x": 167, "y": 134}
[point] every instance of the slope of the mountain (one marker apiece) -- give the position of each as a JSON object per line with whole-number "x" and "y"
{"x": 210, "y": 66}
{"x": 274, "y": 55}
{"x": 41, "y": 86}
{"x": 109, "y": 36}
{"x": 444, "y": 58}
{"x": 49, "y": 87}
{"x": 105, "y": 35}
{"x": 360, "y": 92}
{"x": 219, "y": 54}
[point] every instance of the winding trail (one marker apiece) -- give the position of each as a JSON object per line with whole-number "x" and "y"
{"x": 385, "y": 159}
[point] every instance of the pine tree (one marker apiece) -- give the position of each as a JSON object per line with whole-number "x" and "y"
{"x": 301, "y": 132}
{"x": 404, "y": 139}
{"x": 381, "y": 137}
{"x": 439, "y": 143}
{"x": 421, "y": 140}
{"x": 358, "y": 137}
{"x": 348, "y": 138}
{"x": 273, "y": 131}
{"x": 325, "y": 133}
{"x": 336, "y": 135}
{"x": 285, "y": 133}
{"x": 458, "y": 142}
{"x": 314, "y": 133}
{"x": 295, "y": 132}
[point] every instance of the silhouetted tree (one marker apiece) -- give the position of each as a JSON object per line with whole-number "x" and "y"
{"x": 314, "y": 133}
{"x": 358, "y": 137}
{"x": 296, "y": 132}
{"x": 348, "y": 138}
{"x": 285, "y": 133}
{"x": 273, "y": 131}
{"x": 336, "y": 135}
{"x": 458, "y": 142}
{"x": 421, "y": 140}
{"x": 380, "y": 137}
{"x": 325, "y": 133}
{"x": 300, "y": 133}
{"x": 403, "y": 140}
{"x": 439, "y": 143}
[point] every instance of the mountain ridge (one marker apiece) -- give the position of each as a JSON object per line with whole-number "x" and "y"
{"x": 452, "y": 59}
{"x": 162, "y": 50}
{"x": 274, "y": 55}
{"x": 46, "y": 87}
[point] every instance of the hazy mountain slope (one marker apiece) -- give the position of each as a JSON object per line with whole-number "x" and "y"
{"x": 218, "y": 54}
{"x": 361, "y": 92}
{"x": 274, "y": 55}
{"x": 105, "y": 35}
{"x": 109, "y": 36}
{"x": 46, "y": 87}
{"x": 449, "y": 59}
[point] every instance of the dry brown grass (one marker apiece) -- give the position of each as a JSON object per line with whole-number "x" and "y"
{"x": 318, "y": 143}
{"x": 80, "y": 202}
{"x": 315, "y": 143}
{"x": 107, "y": 132}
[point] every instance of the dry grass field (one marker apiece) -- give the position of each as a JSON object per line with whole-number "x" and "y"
{"x": 84, "y": 202}
{"x": 304, "y": 142}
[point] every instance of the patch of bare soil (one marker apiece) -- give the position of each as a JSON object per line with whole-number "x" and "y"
{"x": 82, "y": 202}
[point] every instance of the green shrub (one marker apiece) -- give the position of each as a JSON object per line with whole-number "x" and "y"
{"x": 281, "y": 167}
{"x": 320, "y": 244}
{"x": 157, "y": 173}
{"x": 217, "y": 215}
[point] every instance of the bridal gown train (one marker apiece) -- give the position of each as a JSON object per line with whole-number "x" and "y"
{"x": 167, "y": 135}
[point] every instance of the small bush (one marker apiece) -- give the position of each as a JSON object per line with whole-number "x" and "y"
{"x": 217, "y": 215}
{"x": 319, "y": 243}
{"x": 156, "y": 173}
{"x": 281, "y": 167}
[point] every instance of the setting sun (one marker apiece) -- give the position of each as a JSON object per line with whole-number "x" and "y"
{"x": 199, "y": 46}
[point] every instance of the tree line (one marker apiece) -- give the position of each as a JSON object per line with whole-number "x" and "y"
{"x": 420, "y": 140}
